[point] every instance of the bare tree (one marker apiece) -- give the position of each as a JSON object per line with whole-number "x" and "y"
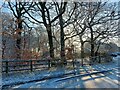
{"x": 91, "y": 24}
{"x": 64, "y": 21}
{"x": 95, "y": 20}
{"x": 18, "y": 13}
{"x": 44, "y": 11}
{"x": 97, "y": 15}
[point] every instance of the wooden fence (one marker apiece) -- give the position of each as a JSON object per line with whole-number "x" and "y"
{"x": 100, "y": 59}
{"x": 31, "y": 65}
{"x": 22, "y": 65}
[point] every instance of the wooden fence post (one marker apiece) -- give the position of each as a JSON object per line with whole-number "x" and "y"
{"x": 31, "y": 66}
{"x": 48, "y": 63}
{"x": 99, "y": 59}
{"x": 82, "y": 61}
{"x": 6, "y": 66}
{"x": 73, "y": 63}
{"x": 90, "y": 60}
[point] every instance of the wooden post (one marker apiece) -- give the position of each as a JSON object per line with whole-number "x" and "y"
{"x": 49, "y": 63}
{"x": 73, "y": 63}
{"x": 6, "y": 66}
{"x": 90, "y": 60}
{"x": 99, "y": 59}
{"x": 31, "y": 66}
{"x": 82, "y": 61}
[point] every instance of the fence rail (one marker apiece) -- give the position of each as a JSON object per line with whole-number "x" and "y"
{"x": 20, "y": 65}
{"x": 31, "y": 65}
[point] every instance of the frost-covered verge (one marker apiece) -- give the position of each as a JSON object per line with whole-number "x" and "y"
{"x": 22, "y": 78}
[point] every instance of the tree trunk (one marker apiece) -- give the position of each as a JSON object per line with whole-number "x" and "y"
{"x": 62, "y": 41}
{"x": 82, "y": 52}
{"x": 3, "y": 48}
{"x": 18, "y": 41}
{"x": 50, "y": 39}
{"x": 92, "y": 42}
{"x": 96, "y": 52}
{"x": 92, "y": 46}
{"x": 92, "y": 49}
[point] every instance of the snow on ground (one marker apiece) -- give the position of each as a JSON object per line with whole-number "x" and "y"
{"x": 103, "y": 80}
{"x": 9, "y": 79}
